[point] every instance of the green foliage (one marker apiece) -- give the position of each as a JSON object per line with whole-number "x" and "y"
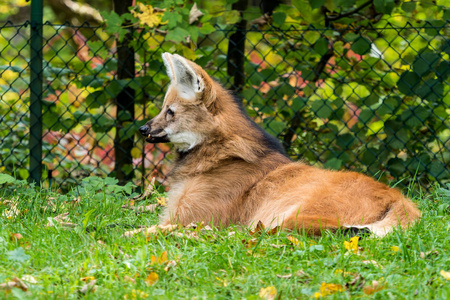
{"x": 345, "y": 84}
{"x": 54, "y": 259}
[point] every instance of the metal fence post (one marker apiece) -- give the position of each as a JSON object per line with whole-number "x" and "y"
{"x": 35, "y": 144}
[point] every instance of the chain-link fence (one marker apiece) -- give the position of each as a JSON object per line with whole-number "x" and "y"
{"x": 374, "y": 100}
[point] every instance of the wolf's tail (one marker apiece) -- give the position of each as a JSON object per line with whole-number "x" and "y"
{"x": 402, "y": 212}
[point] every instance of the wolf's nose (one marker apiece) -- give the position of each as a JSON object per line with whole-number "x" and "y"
{"x": 143, "y": 130}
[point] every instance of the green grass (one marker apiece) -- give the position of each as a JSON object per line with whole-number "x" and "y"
{"x": 219, "y": 264}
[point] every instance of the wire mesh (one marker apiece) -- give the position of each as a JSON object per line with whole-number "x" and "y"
{"x": 374, "y": 100}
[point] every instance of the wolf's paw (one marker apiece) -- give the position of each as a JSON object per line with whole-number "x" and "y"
{"x": 356, "y": 231}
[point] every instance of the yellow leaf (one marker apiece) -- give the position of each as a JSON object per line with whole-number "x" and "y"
{"x": 294, "y": 241}
{"x": 395, "y": 248}
{"x": 268, "y": 293}
{"x": 136, "y": 294}
{"x": 162, "y": 201}
{"x": 352, "y": 245}
{"x": 159, "y": 260}
{"x": 88, "y": 278}
{"x": 151, "y": 278}
{"x": 328, "y": 289}
{"x": 372, "y": 289}
{"x": 445, "y": 274}
{"x": 148, "y": 16}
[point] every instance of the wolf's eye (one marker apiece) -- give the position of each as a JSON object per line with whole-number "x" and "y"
{"x": 170, "y": 112}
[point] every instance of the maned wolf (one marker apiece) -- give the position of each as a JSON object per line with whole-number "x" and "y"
{"x": 229, "y": 171}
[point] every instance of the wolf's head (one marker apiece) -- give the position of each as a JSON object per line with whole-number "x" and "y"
{"x": 186, "y": 117}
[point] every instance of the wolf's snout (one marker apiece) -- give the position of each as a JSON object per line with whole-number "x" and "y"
{"x": 143, "y": 130}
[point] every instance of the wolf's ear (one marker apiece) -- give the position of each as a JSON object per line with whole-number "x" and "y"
{"x": 189, "y": 84}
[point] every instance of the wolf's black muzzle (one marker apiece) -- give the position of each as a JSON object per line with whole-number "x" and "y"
{"x": 153, "y": 136}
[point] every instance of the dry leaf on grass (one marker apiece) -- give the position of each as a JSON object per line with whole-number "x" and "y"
{"x": 372, "y": 262}
{"x": 195, "y": 225}
{"x": 29, "y": 278}
{"x": 141, "y": 209}
{"x": 428, "y": 253}
{"x": 249, "y": 243}
{"x": 162, "y": 201}
{"x": 294, "y": 241}
{"x": 268, "y": 293}
{"x": 16, "y": 282}
{"x": 357, "y": 282}
{"x": 188, "y": 235}
{"x": 89, "y": 287}
{"x": 169, "y": 265}
{"x": 151, "y": 278}
{"x": 155, "y": 229}
{"x": 88, "y": 278}
{"x": 129, "y": 279}
{"x": 395, "y": 248}
{"x": 445, "y": 274}
{"x": 16, "y": 236}
{"x": 148, "y": 191}
{"x": 12, "y": 212}
{"x": 258, "y": 229}
{"x": 159, "y": 260}
{"x": 63, "y": 220}
{"x": 286, "y": 276}
{"x": 328, "y": 289}
{"x": 136, "y": 294}
{"x": 352, "y": 245}
{"x": 373, "y": 288}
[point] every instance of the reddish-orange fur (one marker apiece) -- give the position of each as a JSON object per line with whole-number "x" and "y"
{"x": 233, "y": 177}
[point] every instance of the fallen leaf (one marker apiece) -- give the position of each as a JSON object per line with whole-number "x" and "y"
{"x": 129, "y": 279}
{"x": 273, "y": 230}
{"x": 90, "y": 287}
{"x": 258, "y": 229}
{"x": 16, "y": 282}
{"x": 372, "y": 262}
{"x": 155, "y": 229}
{"x": 395, "y": 248}
{"x": 373, "y": 288}
{"x": 428, "y": 253}
{"x": 159, "y": 260}
{"x": 294, "y": 241}
{"x": 149, "y": 190}
{"x": 194, "y": 14}
{"x": 352, "y": 245}
{"x": 301, "y": 273}
{"x": 268, "y": 293}
{"x": 29, "y": 278}
{"x": 162, "y": 201}
{"x": 136, "y": 294}
{"x": 249, "y": 243}
{"x": 169, "y": 265}
{"x": 88, "y": 278}
{"x": 357, "y": 282}
{"x": 445, "y": 274}
{"x": 16, "y": 236}
{"x": 151, "y": 278}
{"x": 328, "y": 289}
{"x": 284, "y": 276}
{"x": 141, "y": 209}
{"x": 277, "y": 246}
